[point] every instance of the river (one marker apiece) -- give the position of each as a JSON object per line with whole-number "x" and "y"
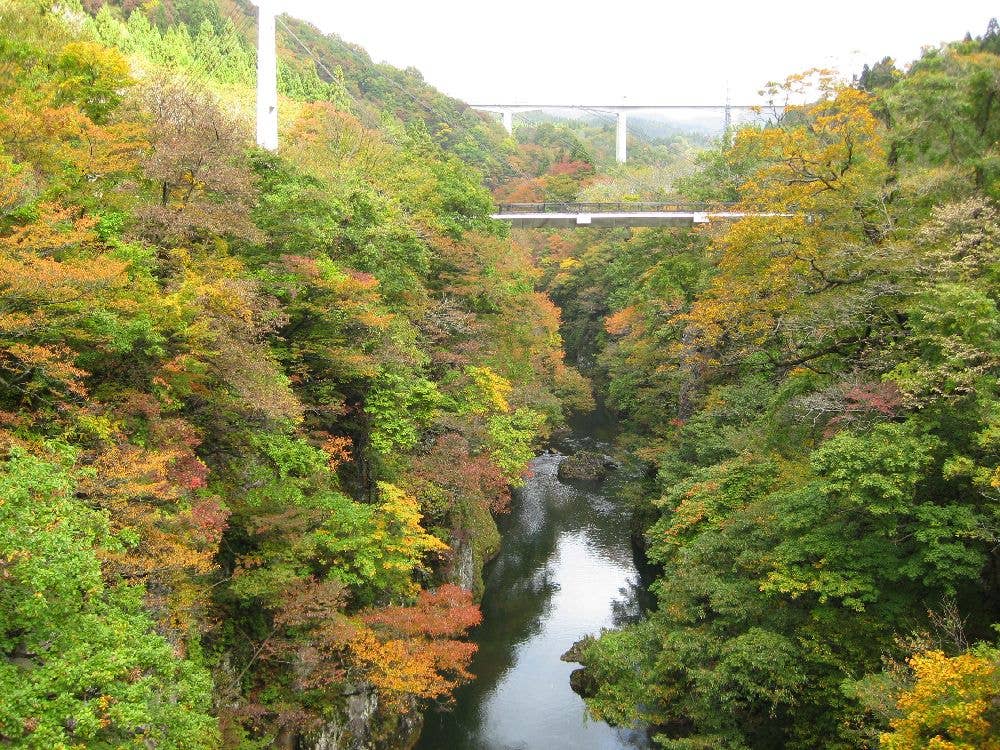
{"x": 565, "y": 569}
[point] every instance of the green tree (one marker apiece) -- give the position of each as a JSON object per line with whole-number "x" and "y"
{"x": 84, "y": 663}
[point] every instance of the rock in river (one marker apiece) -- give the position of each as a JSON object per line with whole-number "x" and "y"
{"x": 585, "y": 466}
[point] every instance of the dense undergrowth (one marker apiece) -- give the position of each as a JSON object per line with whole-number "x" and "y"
{"x": 817, "y": 398}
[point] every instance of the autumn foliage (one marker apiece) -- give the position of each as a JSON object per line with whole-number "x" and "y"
{"x": 263, "y": 398}
{"x": 812, "y": 394}
{"x": 435, "y": 661}
{"x": 951, "y": 704}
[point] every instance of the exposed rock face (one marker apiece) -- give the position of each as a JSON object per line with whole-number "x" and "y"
{"x": 462, "y": 570}
{"x": 363, "y": 727}
{"x": 585, "y": 466}
{"x": 580, "y": 681}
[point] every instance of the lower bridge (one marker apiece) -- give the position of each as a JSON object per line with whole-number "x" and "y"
{"x": 625, "y": 214}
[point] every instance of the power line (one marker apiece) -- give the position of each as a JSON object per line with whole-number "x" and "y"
{"x": 457, "y": 126}
{"x": 302, "y": 44}
{"x": 207, "y": 69}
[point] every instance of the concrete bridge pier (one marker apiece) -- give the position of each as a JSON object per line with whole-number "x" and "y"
{"x": 508, "y": 120}
{"x": 621, "y": 137}
{"x": 267, "y": 77}
{"x": 506, "y": 113}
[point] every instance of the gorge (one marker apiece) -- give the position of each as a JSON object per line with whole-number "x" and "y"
{"x": 301, "y": 448}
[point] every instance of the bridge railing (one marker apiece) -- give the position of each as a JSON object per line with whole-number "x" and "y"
{"x": 607, "y": 207}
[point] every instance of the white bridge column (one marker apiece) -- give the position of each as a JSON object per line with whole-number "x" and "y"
{"x": 508, "y": 120}
{"x": 621, "y": 137}
{"x": 267, "y": 77}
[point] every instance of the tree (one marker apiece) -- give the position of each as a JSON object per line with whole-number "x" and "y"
{"x": 413, "y": 651}
{"x": 951, "y": 703}
{"x": 945, "y": 111}
{"x": 94, "y": 78}
{"x": 816, "y": 397}
{"x": 83, "y": 662}
{"x": 882, "y": 75}
{"x": 238, "y": 389}
{"x": 197, "y": 166}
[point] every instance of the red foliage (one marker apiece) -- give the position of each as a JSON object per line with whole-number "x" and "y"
{"x": 883, "y": 398}
{"x": 447, "y": 612}
{"x": 863, "y": 401}
{"x": 450, "y": 465}
{"x": 210, "y": 519}
{"x": 146, "y": 486}
{"x": 571, "y": 168}
{"x": 189, "y": 472}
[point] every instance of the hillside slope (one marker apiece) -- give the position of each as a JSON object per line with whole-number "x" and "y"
{"x": 216, "y": 41}
{"x": 257, "y": 411}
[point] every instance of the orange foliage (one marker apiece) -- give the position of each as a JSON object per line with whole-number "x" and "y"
{"x": 154, "y": 496}
{"x": 54, "y": 137}
{"x": 521, "y": 191}
{"x": 52, "y": 284}
{"x": 44, "y": 368}
{"x": 339, "y": 450}
{"x": 449, "y": 611}
{"x": 56, "y": 228}
{"x": 412, "y": 651}
{"x": 622, "y": 322}
{"x": 571, "y": 168}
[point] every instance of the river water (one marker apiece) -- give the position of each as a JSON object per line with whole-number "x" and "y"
{"x": 565, "y": 569}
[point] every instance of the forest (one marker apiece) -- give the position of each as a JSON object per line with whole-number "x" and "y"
{"x": 260, "y": 412}
{"x": 256, "y": 411}
{"x": 815, "y": 399}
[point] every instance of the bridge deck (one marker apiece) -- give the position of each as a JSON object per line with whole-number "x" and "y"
{"x": 538, "y": 215}
{"x": 607, "y": 219}
{"x": 577, "y": 207}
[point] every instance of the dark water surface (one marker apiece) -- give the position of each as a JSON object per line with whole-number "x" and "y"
{"x": 565, "y": 569}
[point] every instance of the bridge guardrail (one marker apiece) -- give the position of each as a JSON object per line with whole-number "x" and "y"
{"x": 606, "y": 207}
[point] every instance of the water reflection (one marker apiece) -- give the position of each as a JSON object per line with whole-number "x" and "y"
{"x": 565, "y": 569}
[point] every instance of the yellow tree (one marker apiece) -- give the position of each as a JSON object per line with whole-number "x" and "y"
{"x": 782, "y": 280}
{"x": 56, "y": 119}
{"x": 951, "y": 705}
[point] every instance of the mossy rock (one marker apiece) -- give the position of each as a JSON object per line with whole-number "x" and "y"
{"x": 582, "y": 682}
{"x": 585, "y": 466}
{"x": 484, "y": 537}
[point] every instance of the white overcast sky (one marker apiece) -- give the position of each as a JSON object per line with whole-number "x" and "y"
{"x": 640, "y": 51}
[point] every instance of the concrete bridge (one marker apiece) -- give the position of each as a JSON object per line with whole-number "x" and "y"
{"x": 540, "y": 215}
{"x": 620, "y": 111}
{"x": 267, "y": 94}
